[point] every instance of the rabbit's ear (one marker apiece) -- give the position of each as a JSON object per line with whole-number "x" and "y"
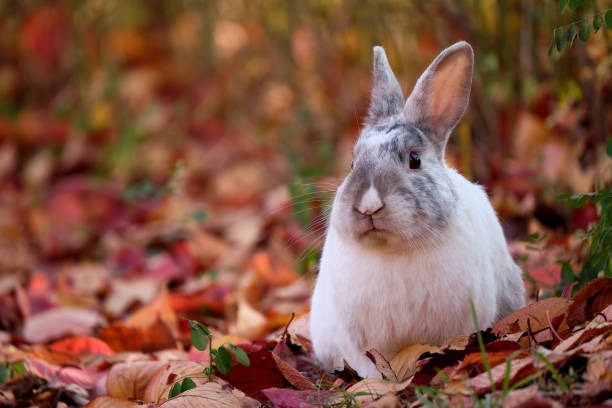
{"x": 441, "y": 94}
{"x": 387, "y": 98}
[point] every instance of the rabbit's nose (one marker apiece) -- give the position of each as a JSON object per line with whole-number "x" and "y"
{"x": 370, "y": 202}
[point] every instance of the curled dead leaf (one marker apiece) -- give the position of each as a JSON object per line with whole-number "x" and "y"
{"x": 404, "y": 363}
{"x": 167, "y": 375}
{"x": 591, "y": 299}
{"x": 382, "y": 365}
{"x": 129, "y": 380}
{"x": 371, "y": 389}
{"x": 211, "y": 395}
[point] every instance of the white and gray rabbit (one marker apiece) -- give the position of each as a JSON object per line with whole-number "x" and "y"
{"x": 409, "y": 240}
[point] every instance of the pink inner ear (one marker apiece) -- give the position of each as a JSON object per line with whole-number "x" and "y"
{"x": 448, "y": 89}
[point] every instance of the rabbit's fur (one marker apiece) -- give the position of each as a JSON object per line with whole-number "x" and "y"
{"x": 406, "y": 248}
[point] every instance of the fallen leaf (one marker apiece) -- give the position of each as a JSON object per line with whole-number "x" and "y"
{"x": 211, "y": 395}
{"x": 167, "y": 375}
{"x": 591, "y": 330}
{"x": 60, "y": 322}
{"x": 112, "y": 402}
{"x": 382, "y": 365}
{"x": 83, "y": 377}
{"x": 289, "y": 398}
{"x": 80, "y": 345}
{"x": 262, "y": 373}
{"x": 591, "y": 299}
{"x": 292, "y": 375}
{"x": 160, "y": 309}
{"x": 370, "y": 389}
{"x": 389, "y": 400}
{"x": 535, "y": 313}
{"x": 404, "y": 363}
{"x": 146, "y": 339}
{"x": 125, "y": 293}
{"x": 275, "y": 276}
{"x": 515, "y": 397}
{"x": 129, "y": 380}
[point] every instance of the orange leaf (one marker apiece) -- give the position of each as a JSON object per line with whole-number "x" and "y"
{"x": 80, "y": 345}
{"x": 146, "y": 339}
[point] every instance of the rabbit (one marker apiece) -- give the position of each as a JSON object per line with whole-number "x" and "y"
{"x": 409, "y": 241}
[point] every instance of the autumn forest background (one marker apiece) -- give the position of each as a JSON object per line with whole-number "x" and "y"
{"x": 162, "y": 161}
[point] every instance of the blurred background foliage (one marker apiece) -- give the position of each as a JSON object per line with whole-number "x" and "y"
{"x": 115, "y": 114}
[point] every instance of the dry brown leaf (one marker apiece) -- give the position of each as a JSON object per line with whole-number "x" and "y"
{"x": 458, "y": 342}
{"x": 599, "y": 368}
{"x": 375, "y": 388}
{"x": 591, "y": 330}
{"x": 292, "y": 375}
{"x": 166, "y": 376}
{"x": 211, "y": 395}
{"x": 515, "y": 397}
{"x": 160, "y": 309}
{"x": 388, "y": 400}
{"x": 382, "y": 365}
{"x": 112, "y": 402}
{"x": 250, "y": 322}
{"x": 519, "y": 368}
{"x": 129, "y": 380}
{"x": 535, "y": 313}
{"x": 591, "y": 299}
{"x": 404, "y": 363}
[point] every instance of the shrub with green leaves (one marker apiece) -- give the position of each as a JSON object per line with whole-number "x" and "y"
{"x": 598, "y": 238}
{"x": 201, "y": 338}
{"x": 563, "y": 37}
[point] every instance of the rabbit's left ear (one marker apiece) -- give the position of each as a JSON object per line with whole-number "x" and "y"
{"x": 387, "y": 98}
{"x": 441, "y": 94}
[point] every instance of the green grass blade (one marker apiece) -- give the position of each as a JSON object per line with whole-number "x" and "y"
{"x": 553, "y": 371}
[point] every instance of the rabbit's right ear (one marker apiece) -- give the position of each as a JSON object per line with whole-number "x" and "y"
{"x": 441, "y": 94}
{"x": 387, "y": 98}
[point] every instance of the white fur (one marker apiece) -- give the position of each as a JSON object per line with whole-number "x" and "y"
{"x": 364, "y": 299}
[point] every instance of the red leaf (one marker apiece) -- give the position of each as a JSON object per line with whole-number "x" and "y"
{"x": 80, "y": 345}
{"x": 261, "y": 374}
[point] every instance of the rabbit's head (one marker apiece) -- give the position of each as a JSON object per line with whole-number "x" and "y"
{"x": 398, "y": 193}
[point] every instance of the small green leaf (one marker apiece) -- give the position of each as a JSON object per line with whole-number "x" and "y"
{"x": 562, "y": 5}
{"x": 597, "y": 22}
{"x": 187, "y": 384}
{"x": 584, "y": 30}
{"x": 608, "y": 18}
{"x": 572, "y": 32}
{"x": 609, "y": 147}
{"x": 560, "y": 39}
{"x": 574, "y": 4}
{"x": 240, "y": 355}
{"x": 5, "y": 374}
{"x": 175, "y": 390}
{"x": 199, "y": 337}
{"x": 552, "y": 45}
{"x": 223, "y": 360}
{"x": 199, "y": 215}
{"x": 19, "y": 369}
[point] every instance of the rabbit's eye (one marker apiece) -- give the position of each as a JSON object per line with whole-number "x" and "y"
{"x": 415, "y": 160}
{"x": 352, "y": 162}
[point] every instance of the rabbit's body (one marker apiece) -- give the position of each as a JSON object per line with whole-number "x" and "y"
{"x": 406, "y": 247}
